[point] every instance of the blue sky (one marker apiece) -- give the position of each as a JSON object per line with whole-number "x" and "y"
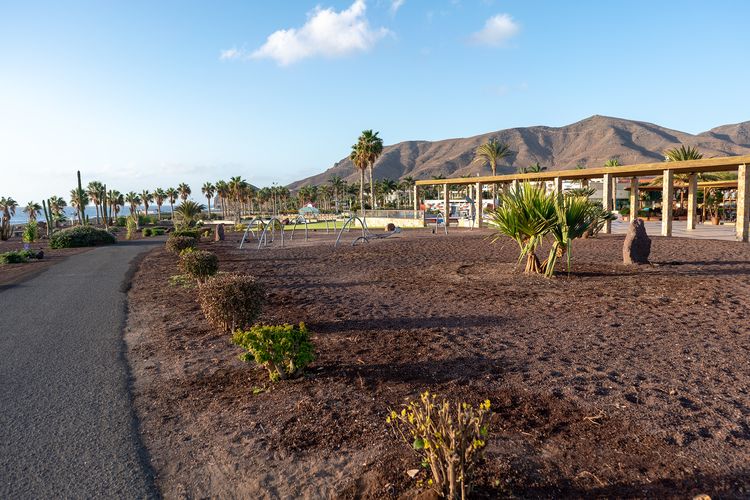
{"x": 149, "y": 94}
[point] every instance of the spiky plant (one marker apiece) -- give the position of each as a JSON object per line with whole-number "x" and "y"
{"x": 188, "y": 212}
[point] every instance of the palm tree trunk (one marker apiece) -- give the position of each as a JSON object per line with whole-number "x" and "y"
{"x": 372, "y": 188}
{"x": 362, "y": 191}
{"x": 208, "y": 199}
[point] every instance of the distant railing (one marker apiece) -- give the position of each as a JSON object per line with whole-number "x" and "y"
{"x": 396, "y": 214}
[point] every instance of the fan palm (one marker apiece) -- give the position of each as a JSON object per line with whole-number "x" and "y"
{"x": 159, "y": 197}
{"x": 133, "y": 200}
{"x": 373, "y": 148}
{"x": 208, "y": 190}
{"x": 32, "y": 210}
{"x": 337, "y": 183}
{"x": 358, "y": 156}
{"x": 79, "y": 199}
{"x": 8, "y": 207}
{"x": 172, "y": 195}
{"x": 95, "y": 192}
{"x": 489, "y": 154}
{"x": 146, "y": 198}
{"x": 184, "y": 191}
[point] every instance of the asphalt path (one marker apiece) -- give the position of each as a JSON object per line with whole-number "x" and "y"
{"x": 67, "y": 426}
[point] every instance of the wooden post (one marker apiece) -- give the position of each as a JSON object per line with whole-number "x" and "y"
{"x": 692, "y": 201}
{"x": 607, "y": 201}
{"x": 633, "y": 198}
{"x": 446, "y": 204}
{"x": 558, "y": 185}
{"x": 743, "y": 204}
{"x": 478, "y": 205}
{"x": 416, "y": 198}
{"x": 584, "y": 183}
{"x": 667, "y": 193}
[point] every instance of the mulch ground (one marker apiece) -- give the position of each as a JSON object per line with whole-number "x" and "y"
{"x": 612, "y": 381}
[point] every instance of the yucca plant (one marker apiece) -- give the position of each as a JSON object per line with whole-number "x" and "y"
{"x": 575, "y": 216}
{"x": 525, "y": 213}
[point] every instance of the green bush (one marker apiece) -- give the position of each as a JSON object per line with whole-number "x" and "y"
{"x": 122, "y": 221}
{"x": 132, "y": 227}
{"x": 176, "y": 244}
{"x": 158, "y": 231}
{"x": 13, "y": 258}
{"x": 231, "y": 301}
{"x": 200, "y": 264}
{"x": 283, "y": 350}
{"x": 81, "y": 236}
{"x": 144, "y": 220}
{"x": 192, "y": 233}
{"x": 31, "y": 232}
{"x": 146, "y": 231}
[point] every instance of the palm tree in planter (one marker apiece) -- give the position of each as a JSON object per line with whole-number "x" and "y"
{"x": 160, "y": 197}
{"x": 489, "y": 154}
{"x": 358, "y": 156}
{"x": 184, "y": 191}
{"x": 133, "y": 200}
{"x": 146, "y": 198}
{"x": 208, "y": 190}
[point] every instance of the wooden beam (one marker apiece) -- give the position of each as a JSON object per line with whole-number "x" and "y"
{"x": 607, "y": 201}
{"x": 446, "y": 204}
{"x": 557, "y": 185}
{"x": 667, "y": 194}
{"x": 743, "y": 204}
{"x": 692, "y": 209}
{"x": 416, "y": 198}
{"x": 634, "y": 198}
{"x": 722, "y": 164}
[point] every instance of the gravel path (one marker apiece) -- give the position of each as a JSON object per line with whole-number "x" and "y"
{"x": 66, "y": 424}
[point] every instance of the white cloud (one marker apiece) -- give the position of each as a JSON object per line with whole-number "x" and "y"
{"x": 326, "y": 33}
{"x": 395, "y": 5}
{"x": 497, "y": 31}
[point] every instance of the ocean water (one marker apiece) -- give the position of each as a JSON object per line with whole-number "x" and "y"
{"x": 22, "y": 218}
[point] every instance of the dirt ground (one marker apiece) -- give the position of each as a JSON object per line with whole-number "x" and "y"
{"x": 609, "y": 382}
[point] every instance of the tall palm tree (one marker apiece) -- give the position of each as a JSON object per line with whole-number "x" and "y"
{"x": 57, "y": 207}
{"x": 79, "y": 200}
{"x": 489, "y": 153}
{"x": 115, "y": 202}
{"x": 208, "y": 190}
{"x": 95, "y": 192}
{"x": 387, "y": 187}
{"x": 133, "y": 200}
{"x": 237, "y": 187}
{"x": 337, "y": 184}
{"x": 373, "y": 147}
{"x": 184, "y": 191}
{"x": 32, "y": 210}
{"x": 407, "y": 185}
{"x": 172, "y": 195}
{"x": 146, "y": 198}
{"x": 159, "y": 197}
{"x": 359, "y": 158}
{"x": 8, "y": 207}
{"x": 684, "y": 154}
{"x": 222, "y": 190}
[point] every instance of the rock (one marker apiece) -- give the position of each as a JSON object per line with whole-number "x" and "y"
{"x": 390, "y": 227}
{"x": 637, "y": 246}
{"x": 219, "y": 232}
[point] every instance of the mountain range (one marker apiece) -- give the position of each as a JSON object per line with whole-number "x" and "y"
{"x": 589, "y": 142}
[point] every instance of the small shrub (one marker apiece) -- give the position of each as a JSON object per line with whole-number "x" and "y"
{"x": 192, "y": 233}
{"x": 31, "y": 232}
{"x": 181, "y": 280}
{"x": 450, "y": 439}
{"x": 30, "y": 254}
{"x": 240, "y": 228}
{"x": 144, "y": 220}
{"x": 122, "y": 221}
{"x": 146, "y": 231}
{"x": 81, "y": 236}
{"x": 13, "y": 258}
{"x": 231, "y": 301}
{"x": 131, "y": 228}
{"x": 157, "y": 231}
{"x": 200, "y": 264}
{"x": 283, "y": 350}
{"x": 176, "y": 244}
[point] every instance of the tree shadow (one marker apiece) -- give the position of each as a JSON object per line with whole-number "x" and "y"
{"x": 407, "y": 323}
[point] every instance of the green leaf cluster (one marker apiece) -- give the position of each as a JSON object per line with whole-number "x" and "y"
{"x": 284, "y": 350}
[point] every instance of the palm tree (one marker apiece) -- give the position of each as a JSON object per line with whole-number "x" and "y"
{"x": 133, "y": 200}
{"x": 337, "y": 183}
{"x": 95, "y": 192}
{"x": 115, "y": 202}
{"x": 208, "y": 190}
{"x": 222, "y": 190}
{"x": 32, "y": 210}
{"x": 373, "y": 147}
{"x": 8, "y": 207}
{"x": 146, "y": 198}
{"x": 188, "y": 211}
{"x": 172, "y": 194}
{"x": 184, "y": 191}
{"x": 237, "y": 186}
{"x": 387, "y": 187}
{"x": 532, "y": 169}
{"x": 684, "y": 154}
{"x": 358, "y": 156}
{"x": 57, "y": 208}
{"x": 159, "y": 196}
{"x": 490, "y": 153}
{"x": 79, "y": 200}
{"x": 407, "y": 185}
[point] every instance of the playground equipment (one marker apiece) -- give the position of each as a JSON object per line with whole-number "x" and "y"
{"x": 437, "y": 221}
{"x": 366, "y": 234}
{"x": 302, "y": 220}
{"x": 249, "y": 229}
{"x": 272, "y": 223}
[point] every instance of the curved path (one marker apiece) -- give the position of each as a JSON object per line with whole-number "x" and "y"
{"x": 67, "y": 429}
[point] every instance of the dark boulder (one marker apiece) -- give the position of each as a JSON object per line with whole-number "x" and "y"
{"x": 637, "y": 246}
{"x": 219, "y": 232}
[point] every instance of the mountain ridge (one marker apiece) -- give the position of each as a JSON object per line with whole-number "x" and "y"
{"x": 589, "y": 142}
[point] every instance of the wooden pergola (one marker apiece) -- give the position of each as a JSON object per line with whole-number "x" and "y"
{"x": 667, "y": 170}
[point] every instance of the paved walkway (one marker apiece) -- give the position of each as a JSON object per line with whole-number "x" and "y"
{"x": 679, "y": 229}
{"x": 67, "y": 428}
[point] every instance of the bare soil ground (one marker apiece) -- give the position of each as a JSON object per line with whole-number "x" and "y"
{"x": 611, "y": 382}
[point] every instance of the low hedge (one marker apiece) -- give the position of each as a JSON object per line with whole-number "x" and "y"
{"x": 177, "y": 244}
{"x": 81, "y": 236}
{"x": 199, "y": 264}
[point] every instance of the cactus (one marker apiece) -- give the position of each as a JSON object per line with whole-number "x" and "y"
{"x": 81, "y": 210}
{"x": 47, "y": 216}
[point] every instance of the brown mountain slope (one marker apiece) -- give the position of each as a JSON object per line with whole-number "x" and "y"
{"x": 590, "y": 142}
